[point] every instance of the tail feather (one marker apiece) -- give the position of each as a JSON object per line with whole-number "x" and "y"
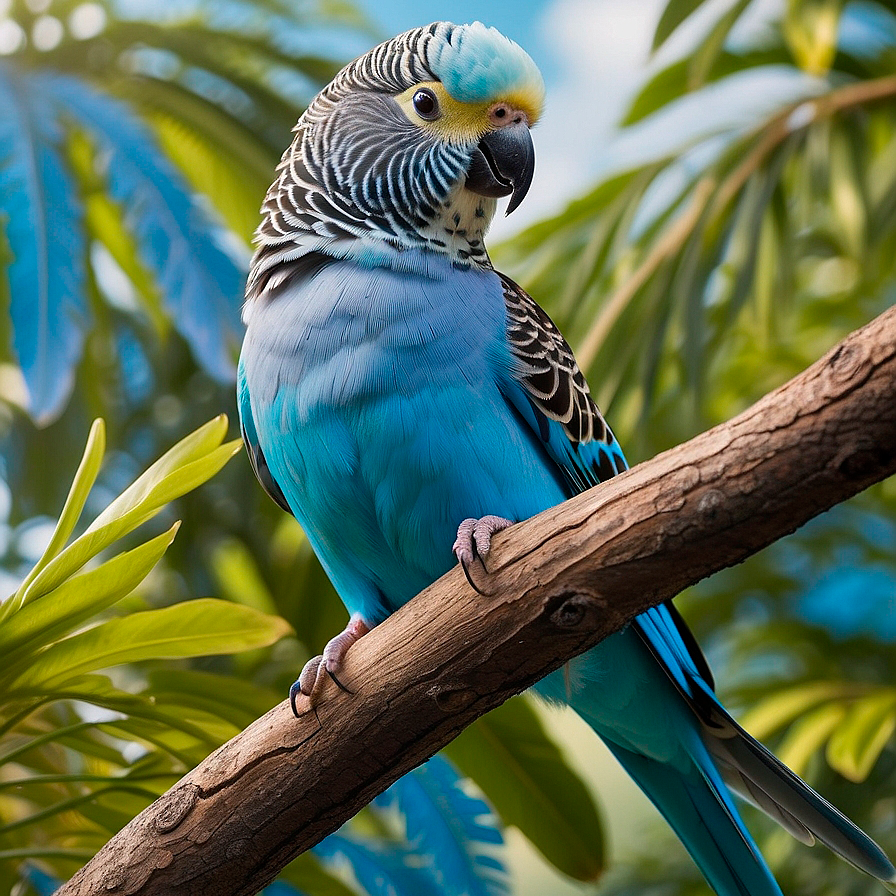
{"x": 751, "y": 771}
{"x": 701, "y": 813}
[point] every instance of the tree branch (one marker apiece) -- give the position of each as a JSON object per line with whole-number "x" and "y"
{"x": 560, "y": 582}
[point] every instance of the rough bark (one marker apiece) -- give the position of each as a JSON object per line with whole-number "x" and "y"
{"x": 558, "y": 584}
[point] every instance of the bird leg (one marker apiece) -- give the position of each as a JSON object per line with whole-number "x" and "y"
{"x": 474, "y": 541}
{"x": 310, "y": 681}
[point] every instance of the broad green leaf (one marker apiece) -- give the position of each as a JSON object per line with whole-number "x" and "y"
{"x": 782, "y": 707}
{"x": 806, "y": 736}
{"x": 859, "y": 739}
{"x": 525, "y": 777}
{"x": 79, "y": 598}
{"x": 196, "y": 445}
{"x": 197, "y": 628}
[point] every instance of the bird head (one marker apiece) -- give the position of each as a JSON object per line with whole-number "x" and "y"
{"x": 408, "y": 149}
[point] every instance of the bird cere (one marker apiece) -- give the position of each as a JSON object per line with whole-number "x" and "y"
{"x": 404, "y": 401}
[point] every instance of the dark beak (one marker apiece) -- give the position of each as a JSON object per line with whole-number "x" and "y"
{"x": 503, "y": 164}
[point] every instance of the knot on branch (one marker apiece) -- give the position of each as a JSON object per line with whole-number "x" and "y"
{"x": 452, "y": 699}
{"x": 175, "y": 807}
{"x": 849, "y": 365}
{"x": 712, "y": 508}
{"x": 573, "y": 610}
{"x": 863, "y": 462}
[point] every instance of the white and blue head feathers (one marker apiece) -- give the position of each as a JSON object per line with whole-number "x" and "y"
{"x": 477, "y": 63}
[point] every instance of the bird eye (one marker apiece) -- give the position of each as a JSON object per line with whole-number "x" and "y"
{"x": 425, "y": 104}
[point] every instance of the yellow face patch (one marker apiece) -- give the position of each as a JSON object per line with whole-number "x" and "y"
{"x": 458, "y": 122}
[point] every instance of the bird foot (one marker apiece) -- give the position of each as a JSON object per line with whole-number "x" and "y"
{"x": 305, "y": 692}
{"x": 474, "y": 541}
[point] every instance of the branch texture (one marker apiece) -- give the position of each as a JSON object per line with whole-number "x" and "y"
{"x": 561, "y": 582}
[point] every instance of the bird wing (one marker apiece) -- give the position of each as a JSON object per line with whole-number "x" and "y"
{"x": 548, "y": 389}
{"x": 550, "y": 393}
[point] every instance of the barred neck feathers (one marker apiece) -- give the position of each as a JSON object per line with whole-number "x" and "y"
{"x": 362, "y": 181}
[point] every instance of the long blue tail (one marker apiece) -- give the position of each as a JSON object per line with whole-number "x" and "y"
{"x": 699, "y": 809}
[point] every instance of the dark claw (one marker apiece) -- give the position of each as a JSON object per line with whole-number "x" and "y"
{"x": 469, "y": 579}
{"x": 339, "y": 684}
{"x": 294, "y": 691}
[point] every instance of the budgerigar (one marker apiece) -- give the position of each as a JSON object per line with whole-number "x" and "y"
{"x": 404, "y": 400}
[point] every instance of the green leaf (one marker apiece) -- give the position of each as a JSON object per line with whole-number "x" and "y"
{"x": 83, "y": 481}
{"x": 673, "y": 82}
{"x": 859, "y": 739}
{"x": 238, "y": 577}
{"x": 14, "y": 747}
{"x": 80, "y": 597}
{"x": 526, "y": 778}
{"x": 212, "y": 149}
{"x": 703, "y": 59}
{"x": 196, "y": 628}
{"x": 231, "y": 698}
{"x": 308, "y": 875}
{"x": 142, "y": 491}
{"x": 805, "y": 737}
{"x": 811, "y": 29}
{"x": 782, "y": 707}
{"x": 674, "y": 13}
{"x": 187, "y": 465}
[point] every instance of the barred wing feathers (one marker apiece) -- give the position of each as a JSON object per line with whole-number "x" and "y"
{"x": 548, "y": 389}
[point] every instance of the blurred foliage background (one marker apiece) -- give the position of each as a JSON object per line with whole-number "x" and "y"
{"x": 136, "y": 143}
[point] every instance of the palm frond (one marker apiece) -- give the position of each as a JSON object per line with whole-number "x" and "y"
{"x": 44, "y": 230}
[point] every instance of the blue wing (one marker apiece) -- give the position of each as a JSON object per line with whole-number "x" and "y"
{"x": 551, "y": 394}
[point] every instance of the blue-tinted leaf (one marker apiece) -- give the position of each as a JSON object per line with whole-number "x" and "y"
{"x": 453, "y": 833}
{"x": 44, "y": 884}
{"x": 43, "y": 222}
{"x": 379, "y": 870}
{"x": 178, "y": 241}
{"x": 527, "y": 779}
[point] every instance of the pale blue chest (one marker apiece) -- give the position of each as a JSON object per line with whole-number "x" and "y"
{"x": 378, "y": 402}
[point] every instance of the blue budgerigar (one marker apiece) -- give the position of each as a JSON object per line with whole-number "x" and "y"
{"x": 405, "y": 400}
